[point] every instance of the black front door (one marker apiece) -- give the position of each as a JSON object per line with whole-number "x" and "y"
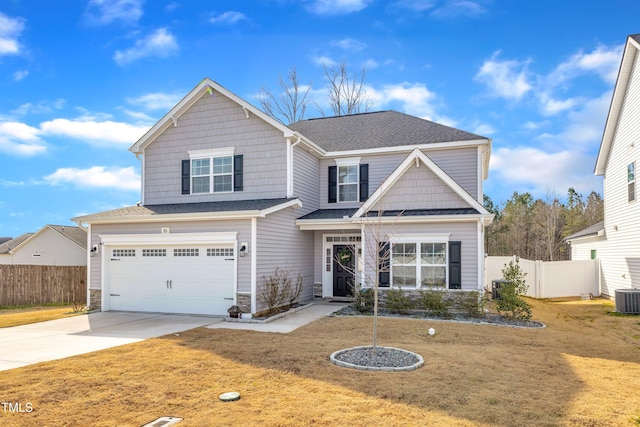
{"x": 342, "y": 276}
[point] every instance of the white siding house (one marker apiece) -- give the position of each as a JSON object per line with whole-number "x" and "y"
{"x": 617, "y": 241}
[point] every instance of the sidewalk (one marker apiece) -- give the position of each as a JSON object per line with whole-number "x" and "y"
{"x": 288, "y": 322}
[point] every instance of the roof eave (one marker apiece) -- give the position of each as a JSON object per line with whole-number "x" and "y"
{"x": 624, "y": 73}
{"x": 409, "y": 148}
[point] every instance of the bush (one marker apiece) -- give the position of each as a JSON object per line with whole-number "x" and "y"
{"x": 433, "y": 301}
{"x": 510, "y": 303}
{"x": 398, "y": 302}
{"x": 279, "y": 290}
{"x": 470, "y": 303}
{"x": 363, "y": 300}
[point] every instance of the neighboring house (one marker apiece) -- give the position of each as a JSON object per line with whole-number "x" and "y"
{"x": 229, "y": 194}
{"x": 51, "y": 245}
{"x": 616, "y": 241}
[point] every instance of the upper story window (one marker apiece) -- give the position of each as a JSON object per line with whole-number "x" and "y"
{"x": 212, "y": 171}
{"x": 631, "y": 181}
{"x": 348, "y": 183}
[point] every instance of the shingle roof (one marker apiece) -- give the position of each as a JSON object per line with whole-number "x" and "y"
{"x": 377, "y": 130}
{"x": 185, "y": 208}
{"x": 636, "y": 37}
{"x": 341, "y": 213}
{"x": 73, "y": 233}
{"x": 8, "y": 246}
{"x": 589, "y": 231}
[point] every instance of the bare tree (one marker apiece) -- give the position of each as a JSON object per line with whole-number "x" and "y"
{"x": 290, "y": 104}
{"x": 548, "y": 213}
{"x": 347, "y": 94}
{"x": 375, "y": 261}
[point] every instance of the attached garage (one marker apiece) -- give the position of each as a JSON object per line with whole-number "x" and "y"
{"x": 174, "y": 273}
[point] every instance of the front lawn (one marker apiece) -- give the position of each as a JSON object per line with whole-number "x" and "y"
{"x": 583, "y": 369}
{"x": 25, "y": 315}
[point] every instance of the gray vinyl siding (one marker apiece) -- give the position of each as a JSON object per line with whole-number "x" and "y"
{"x": 216, "y": 122}
{"x": 242, "y": 227}
{"x": 461, "y": 164}
{"x": 281, "y": 244}
{"x": 306, "y": 176}
{"x": 420, "y": 188}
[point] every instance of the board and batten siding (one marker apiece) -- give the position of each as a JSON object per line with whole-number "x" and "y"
{"x": 242, "y": 227}
{"x": 420, "y": 188}
{"x": 306, "y": 176}
{"x": 461, "y": 164}
{"x": 216, "y": 122}
{"x": 620, "y": 253}
{"x": 281, "y": 244}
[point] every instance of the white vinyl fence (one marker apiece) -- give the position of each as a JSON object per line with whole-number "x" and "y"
{"x": 550, "y": 279}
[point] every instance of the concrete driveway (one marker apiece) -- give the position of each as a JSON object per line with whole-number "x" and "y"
{"x": 57, "y": 339}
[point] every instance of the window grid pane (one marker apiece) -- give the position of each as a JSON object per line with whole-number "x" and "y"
{"x": 221, "y": 183}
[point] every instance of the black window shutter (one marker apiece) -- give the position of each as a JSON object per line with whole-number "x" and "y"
{"x": 333, "y": 184}
{"x": 364, "y": 182}
{"x": 186, "y": 176}
{"x": 455, "y": 270}
{"x": 384, "y": 276}
{"x": 237, "y": 172}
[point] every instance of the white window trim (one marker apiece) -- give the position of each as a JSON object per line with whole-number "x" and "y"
{"x": 211, "y": 154}
{"x": 417, "y": 239}
{"x": 357, "y": 183}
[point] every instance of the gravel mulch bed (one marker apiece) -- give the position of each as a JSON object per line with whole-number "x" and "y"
{"x": 486, "y": 318}
{"x": 384, "y": 357}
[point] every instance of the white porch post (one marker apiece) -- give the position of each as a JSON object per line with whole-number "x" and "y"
{"x": 254, "y": 265}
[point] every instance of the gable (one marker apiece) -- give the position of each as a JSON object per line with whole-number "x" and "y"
{"x": 418, "y": 158}
{"x": 420, "y": 188}
{"x": 618, "y": 101}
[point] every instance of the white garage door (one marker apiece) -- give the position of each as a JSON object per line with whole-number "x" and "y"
{"x": 191, "y": 279}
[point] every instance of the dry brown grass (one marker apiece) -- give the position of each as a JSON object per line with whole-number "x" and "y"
{"x": 582, "y": 370}
{"x": 24, "y": 316}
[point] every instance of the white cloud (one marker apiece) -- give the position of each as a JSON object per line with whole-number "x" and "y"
{"x": 505, "y": 78}
{"x": 95, "y": 132}
{"x": 324, "y": 61}
{"x": 416, "y": 5}
{"x": 550, "y": 106}
{"x": 10, "y": 30}
{"x": 455, "y": 8}
{"x": 97, "y": 177}
{"x": 103, "y": 12}
{"x": 337, "y": 7}
{"x": 39, "y": 108}
{"x": 228, "y": 18}
{"x": 160, "y": 43}
{"x": 484, "y": 129}
{"x": 603, "y": 61}
{"x": 349, "y": 44}
{"x": 536, "y": 171}
{"x": 20, "y": 139}
{"x": 156, "y": 100}
{"x": 370, "y": 64}
{"x": 20, "y": 75}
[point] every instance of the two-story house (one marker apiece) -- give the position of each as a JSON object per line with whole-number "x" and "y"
{"x": 229, "y": 194}
{"x": 616, "y": 241}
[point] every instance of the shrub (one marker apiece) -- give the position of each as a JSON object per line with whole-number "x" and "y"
{"x": 470, "y": 303}
{"x": 363, "y": 300}
{"x": 398, "y": 302}
{"x": 433, "y": 300}
{"x": 279, "y": 290}
{"x": 510, "y": 303}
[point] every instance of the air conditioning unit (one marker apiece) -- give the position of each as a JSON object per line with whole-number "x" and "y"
{"x": 628, "y": 301}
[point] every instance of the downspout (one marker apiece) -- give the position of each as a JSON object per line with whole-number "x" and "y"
{"x": 290, "y": 168}
{"x": 254, "y": 265}
{"x": 141, "y": 158}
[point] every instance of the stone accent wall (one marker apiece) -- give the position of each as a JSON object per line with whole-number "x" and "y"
{"x": 317, "y": 290}
{"x": 95, "y": 299}
{"x": 244, "y": 301}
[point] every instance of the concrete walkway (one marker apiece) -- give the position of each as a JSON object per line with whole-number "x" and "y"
{"x": 57, "y": 339}
{"x": 286, "y": 323}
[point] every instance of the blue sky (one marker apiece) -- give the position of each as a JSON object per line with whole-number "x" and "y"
{"x": 82, "y": 80}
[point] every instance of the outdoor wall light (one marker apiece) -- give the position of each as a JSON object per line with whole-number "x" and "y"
{"x": 244, "y": 248}
{"x": 94, "y": 251}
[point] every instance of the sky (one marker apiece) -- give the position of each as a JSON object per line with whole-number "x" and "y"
{"x": 82, "y": 80}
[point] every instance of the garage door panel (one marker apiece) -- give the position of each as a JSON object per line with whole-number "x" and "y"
{"x": 175, "y": 279}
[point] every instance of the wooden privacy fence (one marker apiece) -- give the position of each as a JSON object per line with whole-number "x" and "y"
{"x": 42, "y": 284}
{"x": 551, "y": 279}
